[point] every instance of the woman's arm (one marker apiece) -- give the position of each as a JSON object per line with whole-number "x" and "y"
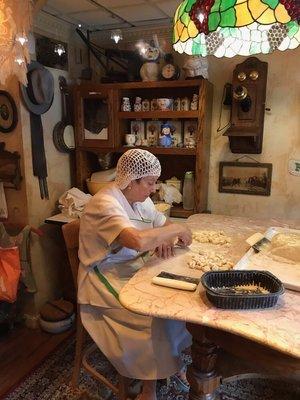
{"x": 166, "y": 249}
{"x": 144, "y": 240}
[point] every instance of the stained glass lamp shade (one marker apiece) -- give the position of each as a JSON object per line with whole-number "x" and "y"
{"x": 225, "y": 28}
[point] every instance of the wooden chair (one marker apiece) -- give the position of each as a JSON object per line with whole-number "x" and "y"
{"x": 71, "y": 236}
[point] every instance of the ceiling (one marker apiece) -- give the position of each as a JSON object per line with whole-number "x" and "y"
{"x": 110, "y": 14}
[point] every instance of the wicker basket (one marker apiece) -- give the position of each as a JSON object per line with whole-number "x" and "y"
{"x": 214, "y": 282}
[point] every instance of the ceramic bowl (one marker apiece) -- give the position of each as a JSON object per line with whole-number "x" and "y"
{"x": 164, "y": 208}
{"x": 57, "y": 326}
{"x": 165, "y": 104}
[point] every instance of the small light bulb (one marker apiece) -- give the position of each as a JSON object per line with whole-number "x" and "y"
{"x": 21, "y": 39}
{"x": 19, "y": 60}
{"x": 79, "y": 25}
{"x": 116, "y": 35}
{"x": 59, "y": 49}
{"x": 116, "y": 38}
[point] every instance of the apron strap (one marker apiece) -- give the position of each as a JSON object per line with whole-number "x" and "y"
{"x": 108, "y": 286}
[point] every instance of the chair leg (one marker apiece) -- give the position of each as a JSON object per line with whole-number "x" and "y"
{"x": 124, "y": 384}
{"x": 80, "y": 336}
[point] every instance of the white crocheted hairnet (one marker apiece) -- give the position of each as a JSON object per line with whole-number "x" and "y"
{"x": 135, "y": 164}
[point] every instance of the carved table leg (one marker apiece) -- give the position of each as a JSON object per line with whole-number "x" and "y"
{"x": 201, "y": 374}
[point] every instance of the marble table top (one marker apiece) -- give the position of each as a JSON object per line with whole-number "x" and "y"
{"x": 278, "y": 328}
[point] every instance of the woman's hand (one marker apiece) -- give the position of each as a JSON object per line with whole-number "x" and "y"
{"x": 184, "y": 237}
{"x": 165, "y": 250}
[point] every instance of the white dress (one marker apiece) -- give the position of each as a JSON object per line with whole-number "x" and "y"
{"x": 138, "y": 346}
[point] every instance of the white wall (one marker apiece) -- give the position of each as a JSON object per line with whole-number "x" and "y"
{"x": 49, "y": 263}
{"x": 281, "y": 139}
{"x": 46, "y": 253}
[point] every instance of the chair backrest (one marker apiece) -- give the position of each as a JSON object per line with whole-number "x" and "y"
{"x": 71, "y": 236}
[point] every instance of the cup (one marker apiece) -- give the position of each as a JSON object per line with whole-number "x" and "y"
{"x": 130, "y": 139}
{"x": 165, "y": 104}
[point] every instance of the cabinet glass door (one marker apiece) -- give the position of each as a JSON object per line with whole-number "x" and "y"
{"x": 95, "y": 114}
{"x": 94, "y": 117}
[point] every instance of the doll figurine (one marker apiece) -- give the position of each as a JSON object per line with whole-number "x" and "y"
{"x": 165, "y": 139}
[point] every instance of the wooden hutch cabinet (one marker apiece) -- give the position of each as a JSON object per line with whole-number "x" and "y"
{"x": 100, "y": 128}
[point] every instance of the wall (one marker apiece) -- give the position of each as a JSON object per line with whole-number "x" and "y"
{"x": 16, "y": 199}
{"x": 49, "y": 262}
{"x": 281, "y": 139}
{"x": 281, "y": 142}
{"x": 46, "y": 252}
{"x": 25, "y": 206}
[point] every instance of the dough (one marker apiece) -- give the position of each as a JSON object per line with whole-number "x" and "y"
{"x": 209, "y": 261}
{"x": 213, "y": 237}
{"x": 286, "y": 245}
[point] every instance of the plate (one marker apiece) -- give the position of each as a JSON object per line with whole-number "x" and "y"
{"x": 8, "y": 112}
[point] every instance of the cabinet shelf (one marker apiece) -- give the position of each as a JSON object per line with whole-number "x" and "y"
{"x": 194, "y": 83}
{"x": 162, "y": 150}
{"x": 157, "y": 114}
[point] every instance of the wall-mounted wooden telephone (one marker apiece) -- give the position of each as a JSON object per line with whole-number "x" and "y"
{"x": 248, "y": 106}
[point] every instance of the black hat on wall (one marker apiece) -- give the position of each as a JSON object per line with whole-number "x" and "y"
{"x": 38, "y": 95}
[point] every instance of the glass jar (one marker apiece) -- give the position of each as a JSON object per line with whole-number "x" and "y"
{"x": 188, "y": 191}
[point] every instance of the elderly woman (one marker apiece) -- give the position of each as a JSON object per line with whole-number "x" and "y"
{"x": 119, "y": 227}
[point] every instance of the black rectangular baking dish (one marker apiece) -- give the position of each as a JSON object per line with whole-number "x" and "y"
{"x": 218, "y": 286}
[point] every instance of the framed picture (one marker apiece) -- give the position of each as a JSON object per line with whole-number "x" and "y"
{"x": 46, "y": 55}
{"x": 245, "y": 178}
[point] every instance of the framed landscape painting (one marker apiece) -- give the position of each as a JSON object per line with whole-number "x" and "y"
{"x": 245, "y": 178}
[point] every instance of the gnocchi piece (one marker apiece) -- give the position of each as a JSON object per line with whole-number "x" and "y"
{"x": 213, "y": 237}
{"x": 209, "y": 261}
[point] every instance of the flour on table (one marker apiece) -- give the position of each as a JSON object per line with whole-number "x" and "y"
{"x": 286, "y": 246}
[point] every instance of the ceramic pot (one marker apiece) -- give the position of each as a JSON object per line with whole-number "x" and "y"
{"x": 149, "y": 71}
{"x": 125, "y": 106}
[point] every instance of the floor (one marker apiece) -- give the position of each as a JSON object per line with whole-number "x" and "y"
{"x": 21, "y": 351}
{"x": 24, "y": 349}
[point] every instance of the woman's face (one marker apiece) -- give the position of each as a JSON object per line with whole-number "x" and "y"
{"x": 142, "y": 188}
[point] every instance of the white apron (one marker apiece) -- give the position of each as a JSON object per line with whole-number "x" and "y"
{"x": 138, "y": 346}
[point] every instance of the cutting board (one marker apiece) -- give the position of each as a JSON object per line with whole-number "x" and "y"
{"x": 288, "y": 273}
